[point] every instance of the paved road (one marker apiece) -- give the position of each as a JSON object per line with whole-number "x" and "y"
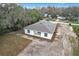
{"x": 66, "y": 23}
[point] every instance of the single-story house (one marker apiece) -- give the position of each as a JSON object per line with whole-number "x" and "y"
{"x": 44, "y": 29}
{"x": 61, "y": 17}
{"x": 78, "y": 18}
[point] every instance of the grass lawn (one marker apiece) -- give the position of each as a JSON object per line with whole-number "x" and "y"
{"x": 76, "y": 52}
{"x": 11, "y": 45}
{"x": 75, "y": 22}
{"x": 76, "y": 30}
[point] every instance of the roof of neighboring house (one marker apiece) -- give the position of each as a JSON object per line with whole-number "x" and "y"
{"x": 42, "y": 26}
{"x": 61, "y": 17}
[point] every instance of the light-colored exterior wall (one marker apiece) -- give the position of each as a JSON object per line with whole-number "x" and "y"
{"x": 32, "y": 32}
{"x": 78, "y": 20}
{"x": 49, "y": 35}
{"x": 60, "y": 17}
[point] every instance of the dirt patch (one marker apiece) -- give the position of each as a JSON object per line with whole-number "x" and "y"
{"x": 43, "y": 48}
{"x": 11, "y": 45}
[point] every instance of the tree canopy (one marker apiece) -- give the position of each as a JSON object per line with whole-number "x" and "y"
{"x": 14, "y": 17}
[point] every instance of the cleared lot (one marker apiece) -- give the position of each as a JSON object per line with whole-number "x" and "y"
{"x": 12, "y": 44}
{"x": 60, "y": 46}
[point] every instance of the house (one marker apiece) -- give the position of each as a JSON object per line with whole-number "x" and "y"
{"x": 44, "y": 29}
{"x": 78, "y": 18}
{"x": 61, "y": 17}
{"x": 45, "y": 15}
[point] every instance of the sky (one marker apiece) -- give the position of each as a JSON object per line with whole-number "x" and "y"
{"x": 36, "y": 5}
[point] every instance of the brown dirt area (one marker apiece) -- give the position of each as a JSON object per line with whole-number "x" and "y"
{"x": 11, "y": 44}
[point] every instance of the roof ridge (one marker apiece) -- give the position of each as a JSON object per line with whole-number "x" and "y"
{"x": 47, "y": 25}
{"x": 43, "y": 25}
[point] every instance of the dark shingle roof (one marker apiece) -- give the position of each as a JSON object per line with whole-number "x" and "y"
{"x": 42, "y": 26}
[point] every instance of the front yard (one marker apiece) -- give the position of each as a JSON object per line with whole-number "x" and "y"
{"x": 11, "y": 44}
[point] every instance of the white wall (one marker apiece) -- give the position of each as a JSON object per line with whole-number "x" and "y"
{"x": 49, "y": 35}
{"x": 31, "y": 32}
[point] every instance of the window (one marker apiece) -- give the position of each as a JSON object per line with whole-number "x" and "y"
{"x": 45, "y": 34}
{"x": 39, "y": 33}
{"x": 28, "y": 31}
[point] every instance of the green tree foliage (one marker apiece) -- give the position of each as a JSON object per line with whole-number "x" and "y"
{"x": 35, "y": 15}
{"x": 67, "y": 12}
{"x": 14, "y": 17}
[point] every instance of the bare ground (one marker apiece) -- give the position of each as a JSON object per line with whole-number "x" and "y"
{"x": 11, "y": 44}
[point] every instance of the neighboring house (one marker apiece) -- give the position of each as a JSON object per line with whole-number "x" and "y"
{"x": 43, "y": 29}
{"x": 45, "y": 15}
{"x": 78, "y": 18}
{"x": 61, "y": 17}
